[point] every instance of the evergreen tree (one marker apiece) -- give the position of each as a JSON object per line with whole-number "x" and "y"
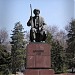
{"x": 70, "y": 51}
{"x": 5, "y": 58}
{"x": 56, "y": 56}
{"x": 57, "y": 60}
{"x": 17, "y": 51}
{"x": 49, "y": 38}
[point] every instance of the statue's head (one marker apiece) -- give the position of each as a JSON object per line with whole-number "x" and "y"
{"x": 36, "y": 12}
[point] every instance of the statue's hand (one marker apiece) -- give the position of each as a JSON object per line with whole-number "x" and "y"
{"x": 40, "y": 28}
{"x": 33, "y": 29}
{"x": 31, "y": 17}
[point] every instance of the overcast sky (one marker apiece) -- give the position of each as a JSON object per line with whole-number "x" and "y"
{"x": 55, "y": 12}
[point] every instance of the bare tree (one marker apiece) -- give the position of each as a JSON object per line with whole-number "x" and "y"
{"x": 52, "y": 29}
{"x": 59, "y": 35}
{"x": 3, "y": 36}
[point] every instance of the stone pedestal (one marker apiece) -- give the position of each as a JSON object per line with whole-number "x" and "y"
{"x": 39, "y": 72}
{"x": 38, "y": 59}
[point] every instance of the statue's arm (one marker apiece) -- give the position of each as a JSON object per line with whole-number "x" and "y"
{"x": 43, "y": 24}
{"x": 29, "y": 22}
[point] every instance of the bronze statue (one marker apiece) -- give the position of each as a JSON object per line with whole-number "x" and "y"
{"x": 37, "y": 31}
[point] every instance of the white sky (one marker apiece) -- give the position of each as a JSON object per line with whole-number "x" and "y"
{"x": 55, "y": 12}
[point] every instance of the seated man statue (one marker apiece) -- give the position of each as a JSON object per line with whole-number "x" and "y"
{"x": 37, "y": 32}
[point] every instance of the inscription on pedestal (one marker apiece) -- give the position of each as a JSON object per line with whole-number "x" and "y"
{"x": 38, "y": 52}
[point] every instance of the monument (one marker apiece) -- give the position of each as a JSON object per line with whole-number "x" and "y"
{"x": 38, "y": 58}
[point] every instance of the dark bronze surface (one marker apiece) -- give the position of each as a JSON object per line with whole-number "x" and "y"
{"x": 37, "y": 31}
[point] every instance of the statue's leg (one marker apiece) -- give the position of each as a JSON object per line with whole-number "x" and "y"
{"x": 44, "y": 35}
{"x": 41, "y": 36}
{"x": 34, "y": 34}
{"x": 38, "y": 37}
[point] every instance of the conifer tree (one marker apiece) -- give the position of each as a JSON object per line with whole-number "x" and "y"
{"x": 70, "y": 51}
{"x": 5, "y": 58}
{"x": 57, "y": 60}
{"x": 56, "y": 56}
{"x": 17, "y": 51}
